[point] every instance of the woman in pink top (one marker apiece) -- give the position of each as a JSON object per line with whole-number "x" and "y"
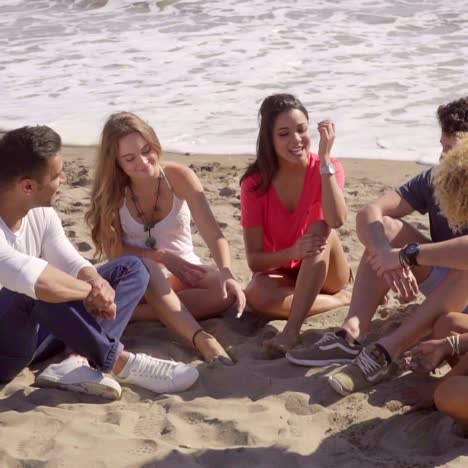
{"x": 292, "y": 202}
{"x": 142, "y": 205}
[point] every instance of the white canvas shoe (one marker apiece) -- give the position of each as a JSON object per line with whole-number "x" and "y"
{"x": 158, "y": 375}
{"x": 76, "y": 375}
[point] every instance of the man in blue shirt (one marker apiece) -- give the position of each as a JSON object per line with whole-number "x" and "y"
{"x": 381, "y": 227}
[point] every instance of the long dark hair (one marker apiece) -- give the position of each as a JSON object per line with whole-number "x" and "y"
{"x": 266, "y": 162}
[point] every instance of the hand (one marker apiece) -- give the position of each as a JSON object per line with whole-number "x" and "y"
{"x": 280, "y": 344}
{"x": 100, "y": 301}
{"x": 425, "y": 356}
{"x": 326, "y": 129}
{"x": 230, "y": 287}
{"x": 420, "y": 396}
{"x": 402, "y": 282}
{"x": 187, "y": 272}
{"x": 308, "y": 245}
{"x": 383, "y": 260}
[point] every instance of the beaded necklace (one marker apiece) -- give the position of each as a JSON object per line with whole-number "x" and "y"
{"x": 150, "y": 241}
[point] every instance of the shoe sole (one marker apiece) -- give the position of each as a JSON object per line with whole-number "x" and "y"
{"x": 180, "y": 387}
{"x": 89, "y": 388}
{"x": 316, "y": 363}
{"x": 337, "y": 386}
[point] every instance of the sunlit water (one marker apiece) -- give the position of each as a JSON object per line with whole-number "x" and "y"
{"x": 198, "y": 69}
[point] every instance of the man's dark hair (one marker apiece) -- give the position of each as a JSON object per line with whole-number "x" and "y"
{"x": 25, "y": 153}
{"x": 453, "y": 117}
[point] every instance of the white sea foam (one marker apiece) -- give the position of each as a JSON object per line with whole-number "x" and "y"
{"x": 198, "y": 69}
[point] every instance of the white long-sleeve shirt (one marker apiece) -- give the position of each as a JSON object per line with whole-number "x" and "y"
{"x": 40, "y": 240}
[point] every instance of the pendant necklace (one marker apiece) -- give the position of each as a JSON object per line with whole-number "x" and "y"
{"x": 150, "y": 241}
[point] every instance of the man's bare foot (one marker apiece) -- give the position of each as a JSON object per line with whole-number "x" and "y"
{"x": 279, "y": 345}
{"x": 211, "y": 349}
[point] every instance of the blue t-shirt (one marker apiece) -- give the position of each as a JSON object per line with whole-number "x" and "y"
{"x": 419, "y": 193}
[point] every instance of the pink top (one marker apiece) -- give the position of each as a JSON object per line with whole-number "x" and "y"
{"x": 281, "y": 227}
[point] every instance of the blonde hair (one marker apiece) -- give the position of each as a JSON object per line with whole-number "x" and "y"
{"x": 451, "y": 186}
{"x": 110, "y": 181}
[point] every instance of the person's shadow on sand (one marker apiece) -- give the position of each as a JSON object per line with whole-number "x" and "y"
{"x": 424, "y": 439}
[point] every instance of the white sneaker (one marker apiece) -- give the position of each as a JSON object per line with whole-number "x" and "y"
{"x": 158, "y": 375}
{"x": 75, "y": 374}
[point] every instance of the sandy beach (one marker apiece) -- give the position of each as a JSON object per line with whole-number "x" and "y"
{"x": 259, "y": 413}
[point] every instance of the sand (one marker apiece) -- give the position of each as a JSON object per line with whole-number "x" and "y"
{"x": 259, "y": 413}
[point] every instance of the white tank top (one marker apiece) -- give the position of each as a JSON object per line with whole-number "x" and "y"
{"x": 172, "y": 232}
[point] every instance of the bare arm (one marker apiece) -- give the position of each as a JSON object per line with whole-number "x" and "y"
{"x": 450, "y": 254}
{"x": 333, "y": 203}
{"x": 55, "y": 286}
{"x": 156, "y": 255}
{"x": 191, "y": 189}
{"x": 187, "y": 184}
{"x": 369, "y": 220}
{"x": 257, "y": 259}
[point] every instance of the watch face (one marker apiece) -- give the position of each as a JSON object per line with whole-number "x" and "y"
{"x": 328, "y": 169}
{"x": 412, "y": 249}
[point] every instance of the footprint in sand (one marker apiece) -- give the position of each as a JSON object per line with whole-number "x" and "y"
{"x": 144, "y": 447}
{"x": 83, "y": 247}
{"x": 150, "y": 423}
{"x": 227, "y": 192}
{"x": 41, "y": 439}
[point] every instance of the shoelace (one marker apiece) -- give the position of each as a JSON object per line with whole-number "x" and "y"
{"x": 366, "y": 363}
{"x": 150, "y": 367}
{"x": 79, "y": 360}
{"x": 326, "y": 338}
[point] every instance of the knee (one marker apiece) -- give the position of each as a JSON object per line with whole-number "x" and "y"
{"x": 259, "y": 298}
{"x": 444, "y": 325}
{"x": 391, "y": 227}
{"x": 136, "y": 267}
{"x": 446, "y": 396}
{"x": 320, "y": 228}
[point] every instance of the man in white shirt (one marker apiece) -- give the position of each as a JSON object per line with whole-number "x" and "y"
{"x": 51, "y": 296}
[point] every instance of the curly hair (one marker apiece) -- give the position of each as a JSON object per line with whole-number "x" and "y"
{"x": 451, "y": 187}
{"x": 266, "y": 162}
{"x": 453, "y": 117}
{"x": 110, "y": 181}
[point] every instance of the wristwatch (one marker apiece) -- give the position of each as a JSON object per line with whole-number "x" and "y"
{"x": 409, "y": 255}
{"x": 328, "y": 169}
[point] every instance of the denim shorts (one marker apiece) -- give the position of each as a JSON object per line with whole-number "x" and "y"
{"x": 437, "y": 275}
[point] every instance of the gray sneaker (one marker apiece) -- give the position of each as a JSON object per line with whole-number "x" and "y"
{"x": 369, "y": 368}
{"x": 329, "y": 349}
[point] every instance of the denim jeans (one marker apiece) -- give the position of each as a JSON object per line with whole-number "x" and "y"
{"x": 32, "y": 329}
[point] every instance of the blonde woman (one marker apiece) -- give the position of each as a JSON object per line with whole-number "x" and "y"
{"x": 142, "y": 206}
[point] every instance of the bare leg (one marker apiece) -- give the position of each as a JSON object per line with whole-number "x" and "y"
{"x": 164, "y": 305}
{"x": 271, "y": 294}
{"x": 316, "y": 273}
{"x": 449, "y": 296}
{"x": 369, "y": 290}
{"x": 451, "y": 396}
{"x": 205, "y": 299}
{"x": 446, "y": 324}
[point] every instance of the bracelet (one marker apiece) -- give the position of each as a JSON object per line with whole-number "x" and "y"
{"x": 454, "y": 341}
